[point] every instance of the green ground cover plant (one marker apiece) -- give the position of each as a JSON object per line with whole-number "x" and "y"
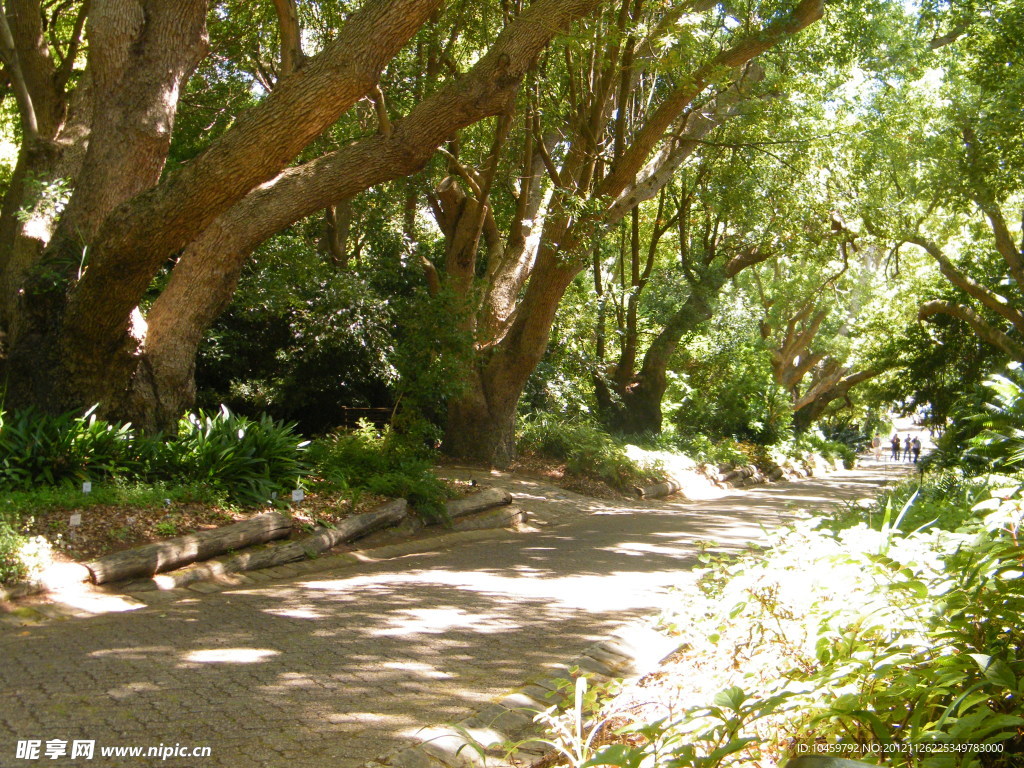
{"x": 368, "y": 460}
{"x": 42, "y": 449}
{"x": 216, "y": 464}
{"x": 887, "y": 640}
{"x": 585, "y": 448}
{"x": 114, "y": 491}
{"x": 246, "y": 460}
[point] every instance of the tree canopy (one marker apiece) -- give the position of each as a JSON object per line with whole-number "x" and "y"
{"x": 400, "y": 204}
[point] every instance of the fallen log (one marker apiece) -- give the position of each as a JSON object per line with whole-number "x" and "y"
{"x": 659, "y": 490}
{"x": 182, "y": 550}
{"x": 322, "y": 539}
{"x": 478, "y": 502}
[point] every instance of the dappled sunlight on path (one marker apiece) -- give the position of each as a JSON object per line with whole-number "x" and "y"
{"x": 336, "y": 669}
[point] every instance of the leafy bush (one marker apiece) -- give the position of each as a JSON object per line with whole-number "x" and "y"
{"x": 12, "y": 567}
{"x": 245, "y": 459}
{"x": 853, "y": 436}
{"x": 41, "y": 449}
{"x": 380, "y": 462}
{"x": 815, "y": 442}
{"x": 855, "y": 637}
{"x": 248, "y": 459}
{"x": 585, "y": 449}
{"x": 20, "y": 556}
{"x": 702, "y": 448}
{"x": 987, "y": 430}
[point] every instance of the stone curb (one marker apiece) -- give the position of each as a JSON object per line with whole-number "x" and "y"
{"x": 502, "y": 734}
{"x": 51, "y": 579}
{"x": 21, "y": 589}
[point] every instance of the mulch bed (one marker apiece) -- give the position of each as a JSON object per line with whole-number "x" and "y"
{"x": 106, "y": 528}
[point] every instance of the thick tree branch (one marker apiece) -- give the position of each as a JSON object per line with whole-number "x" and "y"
{"x": 815, "y": 408}
{"x": 291, "y": 36}
{"x": 662, "y": 166}
{"x": 128, "y": 251}
{"x": 971, "y": 287}
{"x": 67, "y": 65}
{"x": 1004, "y": 241}
{"x": 982, "y": 329}
{"x": 748, "y": 47}
{"x": 9, "y": 55}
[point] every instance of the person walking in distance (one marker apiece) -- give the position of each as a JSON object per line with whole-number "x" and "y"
{"x": 915, "y": 446}
{"x": 895, "y": 443}
{"x": 906, "y": 449}
{"x": 876, "y": 447}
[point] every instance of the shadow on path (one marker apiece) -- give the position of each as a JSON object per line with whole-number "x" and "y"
{"x": 339, "y": 668}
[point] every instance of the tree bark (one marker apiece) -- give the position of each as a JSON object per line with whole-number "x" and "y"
{"x": 55, "y": 129}
{"x": 982, "y": 329}
{"x": 172, "y": 553}
{"x": 94, "y": 338}
{"x": 478, "y": 429}
{"x": 207, "y": 272}
{"x": 291, "y": 35}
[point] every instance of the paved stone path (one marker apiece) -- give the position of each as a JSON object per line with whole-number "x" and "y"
{"x": 336, "y": 668}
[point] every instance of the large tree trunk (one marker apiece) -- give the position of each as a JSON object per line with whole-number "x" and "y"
{"x": 637, "y": 408}
{"x": 638, "y": 411}
{"x": 55, "y": 127}
{"x": 81, "y": 326}
{"x": 479, "y": 430}
{"x": 481, "y": 421}
{"x": 139, "y": 59}
{"x": 205, "y": 276}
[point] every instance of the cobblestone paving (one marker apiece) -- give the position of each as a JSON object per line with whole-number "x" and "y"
{"x": 336, "y": 668}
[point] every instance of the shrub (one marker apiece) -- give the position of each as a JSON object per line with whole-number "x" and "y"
{"x": 21, "y": 556}
{"x": 41, "y": 449}
{"x": 815, "y": 442}
{"x": 854, "y": 638}
{"x": 585, "y": 449}
{"x": 380, "y": 462}
{"x": 987, "y": 432}
{"x": 248, "y": 459}
{"x": 12, "y": 568}
{"x": 725, "y": 451}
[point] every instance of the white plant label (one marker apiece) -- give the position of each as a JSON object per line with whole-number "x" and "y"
{"x": 86, "y": 487}
{"x": 298, "y": 494}
{"x": 76, "y": 519}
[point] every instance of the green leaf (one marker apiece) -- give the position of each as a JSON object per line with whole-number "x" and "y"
{"x": 617, "y": 754}
{"x": 996, "y": 671}
{"x": 731, "y": 698}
